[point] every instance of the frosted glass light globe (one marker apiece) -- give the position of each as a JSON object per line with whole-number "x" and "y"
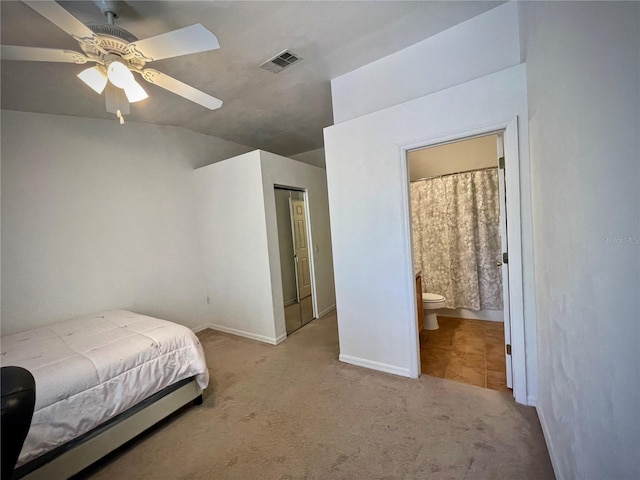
{"x": 119, "y": 74}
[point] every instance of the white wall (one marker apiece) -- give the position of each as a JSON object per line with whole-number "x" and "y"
{"x": 368, "y": 196}
{"x": 233, "y": 241}
{"x": 482, "y": 45}
{"x": 492, "y": 40}
{"x": 239, "y": 240}
{"x": 583, "y": 62}
{"x": 278, "y": 170}
{"x": 99, "y": 216}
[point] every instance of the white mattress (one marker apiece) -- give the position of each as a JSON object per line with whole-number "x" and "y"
{"x": 90, "y": 369}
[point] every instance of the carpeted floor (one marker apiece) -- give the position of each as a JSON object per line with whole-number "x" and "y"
{"x": 293, "y": 411}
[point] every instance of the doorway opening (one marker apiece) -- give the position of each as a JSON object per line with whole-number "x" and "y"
{"x": 457, "y": 200}
{"x": 295, "y": 263}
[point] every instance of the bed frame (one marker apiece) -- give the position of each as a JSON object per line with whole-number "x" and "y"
{"x": 76, "y": 455}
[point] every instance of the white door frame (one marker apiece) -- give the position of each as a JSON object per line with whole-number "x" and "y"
{"x": 514, "y": 239}
{"x": 504, "y": 244}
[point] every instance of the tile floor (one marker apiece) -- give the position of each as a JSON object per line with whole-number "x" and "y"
{"x": 466, "y": 351}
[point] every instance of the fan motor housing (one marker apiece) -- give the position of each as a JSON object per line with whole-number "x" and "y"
{"x": 114, "y": 31}
{"x": 113, "y": 39}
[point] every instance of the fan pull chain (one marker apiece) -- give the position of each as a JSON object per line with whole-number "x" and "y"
{"x": 118, "y": 112}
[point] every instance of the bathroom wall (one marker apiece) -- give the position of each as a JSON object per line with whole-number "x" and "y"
{"x": 479, "y": 152}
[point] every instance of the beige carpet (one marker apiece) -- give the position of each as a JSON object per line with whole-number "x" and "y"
{"x": 293, "y": 411}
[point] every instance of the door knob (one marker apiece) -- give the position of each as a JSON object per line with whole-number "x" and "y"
{"x": 498, "y": 264}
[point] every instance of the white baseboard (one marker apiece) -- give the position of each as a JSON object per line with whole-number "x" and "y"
{"x": 200, "y": 328}
{"x": 489, "y": 315}
{"x": 550, "y": 447}
{"x": 326, "y": 310}
{"x": 382, "y": 367}
{"x": 242, "y": 333}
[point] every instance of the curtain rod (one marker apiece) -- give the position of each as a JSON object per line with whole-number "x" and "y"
{"x": 454, "y": 173}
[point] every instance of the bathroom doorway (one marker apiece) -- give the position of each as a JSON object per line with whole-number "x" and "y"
{"x": 459, "y": 242}
{"x": 291, "y": 215}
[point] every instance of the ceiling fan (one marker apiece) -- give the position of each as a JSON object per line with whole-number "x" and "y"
{"x": 118, "y": 55}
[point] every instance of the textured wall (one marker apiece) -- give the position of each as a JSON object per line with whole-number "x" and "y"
{"x": 583, "y": 62}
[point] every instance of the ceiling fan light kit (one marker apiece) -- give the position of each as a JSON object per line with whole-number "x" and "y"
{"x": 117, "y": 72}
{"x": 118, "y": 55}
{"x": 95, "y": 78}
{"x": 135, "y": 92}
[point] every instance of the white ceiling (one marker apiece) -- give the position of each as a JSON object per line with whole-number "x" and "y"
{"x": 282, "y": 113}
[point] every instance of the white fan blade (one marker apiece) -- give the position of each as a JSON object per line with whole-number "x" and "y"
{"x": 115, "y": 100}
{"x": 36, "y": 54}
{"x": 182, "y": 89}
{"x": 63, "y": 19}
{"x": 183, "y": 41}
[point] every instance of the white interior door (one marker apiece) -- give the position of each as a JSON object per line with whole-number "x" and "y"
{"x": 502, "y": 262}
{"x": 301, "y": 248}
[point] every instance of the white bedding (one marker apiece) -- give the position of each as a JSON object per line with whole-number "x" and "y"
{"x": 90, "y": 369}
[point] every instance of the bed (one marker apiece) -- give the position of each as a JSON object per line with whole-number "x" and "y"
{"x": 100, "y": 381}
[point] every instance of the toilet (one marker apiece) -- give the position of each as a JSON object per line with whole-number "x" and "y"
{"x": 430, "y": 303}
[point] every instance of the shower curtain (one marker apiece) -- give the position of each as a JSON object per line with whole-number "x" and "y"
{"x": 456, "y": 238}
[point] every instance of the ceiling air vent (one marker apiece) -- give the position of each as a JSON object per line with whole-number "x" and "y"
{"x": 280, "y": 61}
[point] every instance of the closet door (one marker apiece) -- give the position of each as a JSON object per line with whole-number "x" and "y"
{"x": 301, "y": 248}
